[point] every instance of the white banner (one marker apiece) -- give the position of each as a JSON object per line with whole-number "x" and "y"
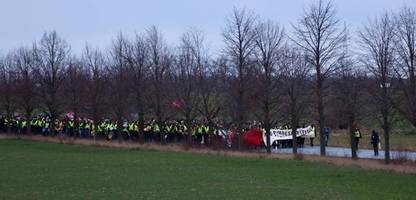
{"x": 286, "y": 134}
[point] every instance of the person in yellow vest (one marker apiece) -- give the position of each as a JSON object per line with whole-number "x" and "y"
{"x": 46, "y": 125}
{"x": 25, "y": 125}
{"x": 148, "y": 132}
{"x": 181, "y": 130}
{"x": 156, "y": 131}
{"x": 109, "y": 130}
{"x": 136, "y": 129}
{"x": 197, "y": 133}
{"x": 31, "y": 123}
{"x": 18, "y": 126}
{"x": 130, "y": 130}
{"x": 194, "y": 131}
{"x": 71, "y": 127}
{"x": 169, "y": 131}
{"x": 114, "y": 129}
{"x": 175, "y": 129}
{"x": 81, "y": 128}
{"x": 61, "y": 127}
{"x": 56, "y": 126}
{"x": 38, "y": 125}
{"x": 93, "y": 129}
{"x": 106, "y": 130}
{"x": 205, "y": 132}
{"x": 88, "y": 127}
{"x": 102, "y": 129}
{"x": 98, "y": 129}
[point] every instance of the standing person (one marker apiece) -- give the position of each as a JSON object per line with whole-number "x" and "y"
{"x": 375, "y": 140}
{"x": 125, "y": 130}
{"x": 357, "y": 136}
{"x": 327, "y": 131}
{"x": 313, "y": 134}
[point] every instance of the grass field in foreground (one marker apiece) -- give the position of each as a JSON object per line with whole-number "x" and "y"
{"x": 35, "y": 170}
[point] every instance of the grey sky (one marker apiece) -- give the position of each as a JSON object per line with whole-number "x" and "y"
{"x": 98, "y": 21}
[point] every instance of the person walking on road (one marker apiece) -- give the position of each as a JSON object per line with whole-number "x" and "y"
{"x": 327, "y": 131}
{"x": 375, "y": 140}
{"x": 357, "y": 136}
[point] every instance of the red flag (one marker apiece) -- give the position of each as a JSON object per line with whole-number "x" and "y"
{"x": 177, "y": 103}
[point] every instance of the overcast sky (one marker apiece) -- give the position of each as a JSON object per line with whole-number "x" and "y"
{"x": 98, "y": 21}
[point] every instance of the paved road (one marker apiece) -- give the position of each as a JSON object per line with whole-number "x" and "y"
{"x": 346, "y": 152}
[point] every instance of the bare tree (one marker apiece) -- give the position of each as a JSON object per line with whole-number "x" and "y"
{"x": 94, "y": 65}
{"x": 188, "y": 72}
{"x": 24, "y": 61}
{"x": 51, "y": 54}
{"x": 406, "y": 60}
{"x": 268, "y": 43}
{"x": 159, "y": 68}
{"x": 119, "y": 91}
{"x": 8, "y": 79}
{"x": 349, "y": 92}
{"x": 74, "y": 88}
{"x": 377, "y": 42}
{"x": 211, "y": 81}
{"x": 319, "y": 34}
{"x": 239, "y": 38}
{"x": 136, "y": 53}
{"x": 295, "y": 80}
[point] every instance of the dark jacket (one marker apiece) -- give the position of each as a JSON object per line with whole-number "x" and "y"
{"x": 375, "y": 139}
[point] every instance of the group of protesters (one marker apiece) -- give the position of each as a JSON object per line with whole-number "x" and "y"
{"x": 169, "y": 131}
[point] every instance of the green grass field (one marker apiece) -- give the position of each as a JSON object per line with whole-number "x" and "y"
{"x": 35, "y": 170}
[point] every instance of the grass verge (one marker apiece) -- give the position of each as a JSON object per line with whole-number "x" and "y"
{"x": 34, "y": 170}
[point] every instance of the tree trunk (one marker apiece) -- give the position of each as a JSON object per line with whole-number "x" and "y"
{"x": 188, "y": 132}
{"x": 268, "y": 145}
{"x": 95, "y": 116}
{"x": 76, "y": 127}
{"x": 141, "y": 127}
{"x": 352, "y": 139}
{"x": 386, "y": 140}
{"x": 162, "y": 132}
{"x": 28, "y": 119}
{"x": 240, "y": 107}
{"x": 386, "y": 125}
{"x": 52, "y": 122}
{"x": 294, "y": 141}
{"x": 212, "y": 134}
{"x": 321, "y": 116}
{"x": 119, "y": 127}
{"x": 294, "y": 125}
{"x": 8, "y": 128}
{"x": 240, "y": 118}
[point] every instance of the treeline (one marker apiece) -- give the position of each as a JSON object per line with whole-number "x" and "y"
{"x": 318, "y": 72}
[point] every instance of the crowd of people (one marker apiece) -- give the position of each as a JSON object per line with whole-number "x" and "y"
{"x": 170, "y": 131}
{"x": 153, "y": 131}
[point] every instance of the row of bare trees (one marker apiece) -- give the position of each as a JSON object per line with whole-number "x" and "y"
{"x": 265, "y": 74}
